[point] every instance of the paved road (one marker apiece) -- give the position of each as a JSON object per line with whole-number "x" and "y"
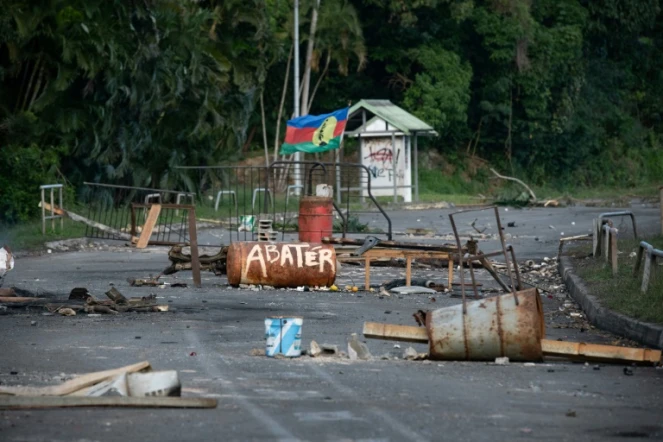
{"x": 211, "y": 332}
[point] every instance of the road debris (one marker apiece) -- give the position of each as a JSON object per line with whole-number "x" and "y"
{"x": 329, "y": 349}
{"x": 182, "y": 261}
{"x": 7, "y": 293}
{"x": 414, "y": 290}
{"x": 520, "y": 338}
{"x": 410, "y": 354}
{"x": 358, "y": 349}
{"x": 24, "y": 403}
{"x": 502, "y": 361}
{"x": 6, "y": 261}
{"x": 314, "y": 349}
{"x": 283, "y": 336}
{"x": 66, "y": 311}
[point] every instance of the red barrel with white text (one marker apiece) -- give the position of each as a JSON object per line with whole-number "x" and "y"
{"x": 281, "y": 264}
{"x": 315, "y": 218}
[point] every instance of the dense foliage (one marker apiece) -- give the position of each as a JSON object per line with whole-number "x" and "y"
{"x": 561, "y": 92}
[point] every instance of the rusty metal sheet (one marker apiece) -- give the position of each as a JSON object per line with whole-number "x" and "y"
{"x": 490, "y": 328}
{"x": 281, "y": 264}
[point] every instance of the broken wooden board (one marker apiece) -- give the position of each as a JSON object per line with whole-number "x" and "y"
{"x": 393, "y": 332}
{"x": 569, "y": 350}
{"x": 148, "y": 227}
{"x": 73, "y": 385}
{"x": 606, "y": 353}
{"x": 28, "y": 402}
{"x": 15, "y": 299}
{"x": 7, "y": 292}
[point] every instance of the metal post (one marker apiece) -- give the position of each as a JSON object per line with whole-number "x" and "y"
{"x": 52, "y": 211}
{"x": 364, "y": 190}
{"x": 298, "y": 171}
{"x": 415, "y": 161}
{"x": 661, "y": 198}
{"x": 62, "y": 217}
{"x": 43, "y": 212}
{"x": 394, "y": 159}
{"x": 337, "y": 155}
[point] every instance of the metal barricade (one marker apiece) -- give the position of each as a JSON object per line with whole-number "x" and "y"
{"x": 237, "y": 197}
{"x": 53, "y": 216}
{"x": 121, "y": 207}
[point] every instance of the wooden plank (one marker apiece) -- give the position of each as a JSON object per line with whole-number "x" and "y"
{"x": 408, "y": 271}
{"x": 11, "y": 299}
{"x": 613, "y": 253}
{"x": 607, "y": 353}
{"x": 451, "y": 273}
{"x": 26, "y": 402}
{"x": 148, "y": 227}
{"x": 75, "y": 384}
{"x": 367, "y": 271}
{"x": 399, "y": 253}
{"x": 8, "y": 292}
{"x": 393, "y": 332}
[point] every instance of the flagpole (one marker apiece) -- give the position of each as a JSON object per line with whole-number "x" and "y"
{"x": 298, "y": 177}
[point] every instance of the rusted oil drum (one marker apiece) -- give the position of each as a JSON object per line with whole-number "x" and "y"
{"x": 315, "y": 218}
{"x": 281, "y": 264}
{"x": 491, "y": 328}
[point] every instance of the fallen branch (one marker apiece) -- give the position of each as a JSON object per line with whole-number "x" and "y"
{"x": 517, "y": 181}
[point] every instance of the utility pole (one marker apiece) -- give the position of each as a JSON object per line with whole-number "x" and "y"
{"x": 298, "y": 177}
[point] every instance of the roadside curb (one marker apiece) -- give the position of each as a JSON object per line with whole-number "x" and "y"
{"x": 643, "y": 332}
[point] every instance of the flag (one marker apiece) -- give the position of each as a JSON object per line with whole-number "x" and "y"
{"x": 315, "y": 133}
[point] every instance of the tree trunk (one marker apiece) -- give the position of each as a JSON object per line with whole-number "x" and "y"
{"x": 306, "y": 81}
{"x": 264, "y": 127}
{"x": 282, "y": 104}
{"x": 322, "y": 76}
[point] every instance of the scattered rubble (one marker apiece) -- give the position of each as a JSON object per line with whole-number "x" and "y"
{"x": 358, "y": 349}
{"x": 314, "y": 349}
{"x": 410, "y": 354}
{"x": 130, "y": 386}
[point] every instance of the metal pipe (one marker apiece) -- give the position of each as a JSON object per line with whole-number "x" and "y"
{"x": 394, "y": 165}
{"x": 460, "y": 261}
{"x": 116, "y": 186}
{"x": 416, "y": 168}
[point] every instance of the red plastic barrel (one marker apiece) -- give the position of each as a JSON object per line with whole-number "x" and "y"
{"x": 315, "y": 218}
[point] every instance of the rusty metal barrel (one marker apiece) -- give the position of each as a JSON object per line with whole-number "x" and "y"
{"x": 490, "y": 328}
{"x": 315, "y": 218}
{"x": 281, "y": 264}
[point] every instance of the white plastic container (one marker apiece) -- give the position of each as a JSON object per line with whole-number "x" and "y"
{"x": 283, "y": 336}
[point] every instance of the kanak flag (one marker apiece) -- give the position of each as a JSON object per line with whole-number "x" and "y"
{"x": 315, "y": 133}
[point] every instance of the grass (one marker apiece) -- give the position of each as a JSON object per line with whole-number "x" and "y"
{"x": 622, "y": 293}
{"x": 27, "y": 236}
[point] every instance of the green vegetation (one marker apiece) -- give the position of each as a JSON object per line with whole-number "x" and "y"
{"x": 564, "y": 94}
{"x": 27, "y": 236}
{"x": 622, "y": 293}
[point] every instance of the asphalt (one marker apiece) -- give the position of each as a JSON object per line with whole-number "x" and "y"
{"x": 211, "y": 336}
